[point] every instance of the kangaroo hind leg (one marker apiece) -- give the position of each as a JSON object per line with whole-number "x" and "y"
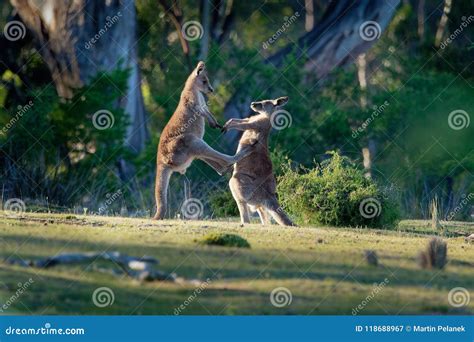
{"x": 264, "y": 218}
{"x": 163, "y": 175}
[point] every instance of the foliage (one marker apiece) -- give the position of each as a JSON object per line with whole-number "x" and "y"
{"x": 227, "y": 240}
{"x": 55, "y": 149}
{"x": 222, "y": 203}
{"x": 415, "y": 149}
{"x": 334, "y": 194}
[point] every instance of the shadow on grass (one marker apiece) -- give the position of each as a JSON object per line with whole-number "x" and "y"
{"x": 201, "y": 262}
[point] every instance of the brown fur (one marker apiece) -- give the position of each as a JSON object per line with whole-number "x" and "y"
{"x": 253, "y": 184}
{"x": 182, "y": 139}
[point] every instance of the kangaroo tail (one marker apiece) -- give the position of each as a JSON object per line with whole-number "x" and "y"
{"x": 278, "y": 214}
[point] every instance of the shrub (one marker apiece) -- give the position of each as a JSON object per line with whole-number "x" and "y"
{"x": 435, "y": 255}
{"x": 228, "y": 240}
{"x": 68, "y": 160}
{"x": 223, "y": 204}
{"x": 336, "y": 193}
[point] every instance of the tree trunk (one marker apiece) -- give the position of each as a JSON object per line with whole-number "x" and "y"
{"x": 442, "y": 23}
{"x": 79, "y": 38}
{"x": 222, "y": 19}
{"x": 176, "y": 16}
{"x": 368, "y": 154}
{"x": 309, "y": 15}
{"x": 346, "y": 30}
{"x": 362, "y": 77}
{"x": 421, "y": 20}
{"x": 205, "y": 20}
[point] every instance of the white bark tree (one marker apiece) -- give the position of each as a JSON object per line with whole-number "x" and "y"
{"x": 79, "y": 38}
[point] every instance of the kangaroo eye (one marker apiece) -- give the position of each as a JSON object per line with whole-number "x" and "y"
{"x": 205, "y": 82}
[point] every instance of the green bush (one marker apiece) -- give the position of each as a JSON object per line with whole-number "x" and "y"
{"x": 56, "y": 142}
{"x": 227, "y": 240}
{"x": 336, "y": 193}
{"x": 222, "y": 203}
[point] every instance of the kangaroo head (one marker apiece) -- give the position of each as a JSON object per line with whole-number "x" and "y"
{"x": 269, "y": 106}
{"x": 201, "y": 81}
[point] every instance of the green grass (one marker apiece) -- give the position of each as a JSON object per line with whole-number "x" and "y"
{"x": 324, "y": 268}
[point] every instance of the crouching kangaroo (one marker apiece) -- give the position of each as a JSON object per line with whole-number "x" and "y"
{"x": 182, "y": 138}
{"x": 253, "y": 184}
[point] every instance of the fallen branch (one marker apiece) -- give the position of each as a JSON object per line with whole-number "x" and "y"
{"x": 136, "y": 268}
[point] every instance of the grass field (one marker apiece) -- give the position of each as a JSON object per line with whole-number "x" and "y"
{"x": 323, "y": 268}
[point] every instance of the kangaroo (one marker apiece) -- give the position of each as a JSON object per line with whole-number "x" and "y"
{"x": 182, "y": 138}
{"x": 253, "y": 184}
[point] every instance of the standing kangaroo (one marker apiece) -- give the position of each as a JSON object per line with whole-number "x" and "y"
{"x": 182, "y": 138}
{"x": 253, "y": 184}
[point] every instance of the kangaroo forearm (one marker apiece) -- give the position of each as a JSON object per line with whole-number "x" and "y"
{"x": 210, "y": 118}
{"x": 242, "y": 126}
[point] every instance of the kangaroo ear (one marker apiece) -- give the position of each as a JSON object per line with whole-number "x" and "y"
{"x": 281, "y": 101}
{"x": 256, "y": 106}
{"x": 200, "y": 67}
